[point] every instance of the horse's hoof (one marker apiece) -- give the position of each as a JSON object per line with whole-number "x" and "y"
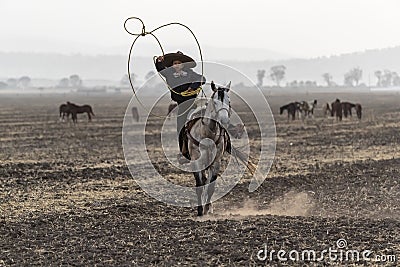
{"x": 211, "y": 210}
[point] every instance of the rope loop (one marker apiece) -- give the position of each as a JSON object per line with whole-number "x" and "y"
{"x": 144, "y": 33}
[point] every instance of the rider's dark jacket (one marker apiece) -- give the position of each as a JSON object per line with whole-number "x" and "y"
{"x": 181, "y": 81}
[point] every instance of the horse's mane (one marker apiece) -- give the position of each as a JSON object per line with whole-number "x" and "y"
{"x": 285, "y": 106}
{"x": 72, "y": 104}
{"x": 289, "y": 105}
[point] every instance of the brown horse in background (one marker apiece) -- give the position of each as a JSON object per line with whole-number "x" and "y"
{"x": 336, "y": 109}
{"x": 135, "y": 114}
{"x": 76, "y": 109}
{"x": 307, "y": 107}
{"x": 64, "y": 111}
{"x": 291, "y": 109}
{"x": 359, "y": 111}
{"x": 347, "y": 107}
{"x": 327, "y": 110}
{"x": 171, "y": 107}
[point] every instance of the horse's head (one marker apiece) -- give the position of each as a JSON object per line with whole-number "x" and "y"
{"x": 281, "y": 110}
{"x": 220, "y": 104}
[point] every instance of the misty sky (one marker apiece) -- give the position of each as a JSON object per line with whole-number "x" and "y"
{"x": 300, "y": 28}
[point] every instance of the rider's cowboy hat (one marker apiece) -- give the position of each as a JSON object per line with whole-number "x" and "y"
{"x": 171, "y": 57}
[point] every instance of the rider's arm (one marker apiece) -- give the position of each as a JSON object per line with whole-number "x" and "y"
{"x": 160, "y": 66}
{"x": 197, "y": 80}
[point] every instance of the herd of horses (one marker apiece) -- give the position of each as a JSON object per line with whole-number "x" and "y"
{"x": 303, "y": 107}
{"x": 74, "y": 109}
{"x": 337, "y": 108}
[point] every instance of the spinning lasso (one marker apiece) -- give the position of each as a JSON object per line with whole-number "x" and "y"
{"x": 144, "y": 33}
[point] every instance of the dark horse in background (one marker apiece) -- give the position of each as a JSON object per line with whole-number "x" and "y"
{"x": 291, "y": 109}
{"x": 135, "y": 114}
{"x": 347, "y": 107}
{"x": 341, "y": 109}
{"x": 336, "y": 109}
{"x": 76, "y": 109}
{"x": 64, "y": 111}
{"x": 171, "y": 108}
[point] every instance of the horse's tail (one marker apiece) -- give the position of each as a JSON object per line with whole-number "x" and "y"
{"x": 91, "y": 111}
{"x": 243, "y": 158}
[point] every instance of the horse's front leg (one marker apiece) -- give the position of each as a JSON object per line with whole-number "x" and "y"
{"x": 199, "y": 191}
{"x": 211, "y": 187}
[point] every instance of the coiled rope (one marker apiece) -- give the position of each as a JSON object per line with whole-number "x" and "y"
{"x": 144, "y": 33}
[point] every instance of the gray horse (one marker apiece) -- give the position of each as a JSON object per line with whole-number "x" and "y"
{"x": 207, "y": 142}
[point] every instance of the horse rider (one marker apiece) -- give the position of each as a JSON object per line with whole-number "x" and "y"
{"x": 185, "y": 85}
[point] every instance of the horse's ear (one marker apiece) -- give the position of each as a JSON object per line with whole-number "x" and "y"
{"x": 228, "y": 86}
{"x": 213, "y": 86}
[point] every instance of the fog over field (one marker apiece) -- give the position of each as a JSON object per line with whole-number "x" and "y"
{"x": 112, "y": 67}
{"x": 309, "y": 38}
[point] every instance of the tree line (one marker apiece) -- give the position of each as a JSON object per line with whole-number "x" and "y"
{"x": 384, "y": 78}
{"x": 353, "y": 77}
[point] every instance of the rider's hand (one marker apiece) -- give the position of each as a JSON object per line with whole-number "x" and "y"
{"x": 160, "y": 58}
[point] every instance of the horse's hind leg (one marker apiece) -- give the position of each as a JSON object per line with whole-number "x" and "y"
{"x": 89, "y": 117}
{"x": 74, "y": 118}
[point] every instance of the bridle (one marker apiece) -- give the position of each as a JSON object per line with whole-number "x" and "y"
{"x": 222, "y": 130}
{"x": 223, "y": 107}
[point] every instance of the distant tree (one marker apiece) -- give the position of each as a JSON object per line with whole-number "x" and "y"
{"x": 150, "y": 81}
{"x": 149, "y": 75}
{"x": 378, "y": 75}
{"x": 125, "y": 79}
{"x": 3, "y": 85}
{"x": 64, "y": 82}
{"x": 353, "y": 77}
{"x": 24, "y": 82}
{"x": 348, "y": 79}
{"x": 260, "y": 77}
{"x": 395, "y": 79}
{"x": 277, "y": 74}
{"x": 294, "y": 83}
{"x": 387, "y": 78}
{"x": 75, "y": 80}
{"x": 327, "y": 78}
{"x": 357, "y": 75}
{"x": 12, "y": 82}
{"x": 311, "y": 84}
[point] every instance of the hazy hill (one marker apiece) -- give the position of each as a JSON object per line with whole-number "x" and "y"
{"x": 109, "y": 67}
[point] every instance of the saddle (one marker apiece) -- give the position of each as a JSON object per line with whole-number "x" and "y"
{"x": 186, "y": 136}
